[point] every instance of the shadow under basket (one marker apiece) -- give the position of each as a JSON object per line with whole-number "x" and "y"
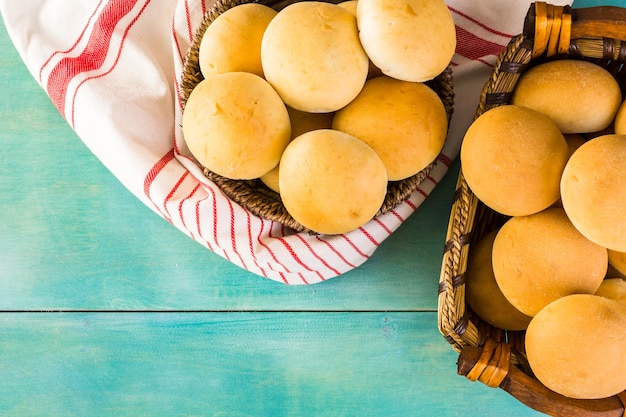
{"x": 488, "y": 354}
{"x": 253, "y": 195}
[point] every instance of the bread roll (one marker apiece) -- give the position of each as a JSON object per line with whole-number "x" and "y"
{"x": 232, "y": 42}
{"x": 482, "y": 293}
{"x": 617, "y": 260}
{"x": 578, "y": 96}
{"x": 312, "y": 56}
{"x": 236, "y": 125}
{"x": 301, "y": 122}
{"x": 593, "y": 191}
{"x": 542, "y": 257}
{"x": 331, "y": 182}
{"x": 404, "y": 122}
{"x": 411, "y": 40}
{"x": 349, "y": 5}
{"x": 270, "y": 179}
{"x": 620, "y": 120}
{"x": 575, "y": 346}
{"x": 613, "y": 288}
{"x": 512, "y": 158}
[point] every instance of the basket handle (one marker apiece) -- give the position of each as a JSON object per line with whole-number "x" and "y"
{"x": 553, "y": 27}
{"x": 491, "y": 365}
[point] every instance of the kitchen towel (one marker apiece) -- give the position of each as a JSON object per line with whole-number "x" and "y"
{"x": 113, "y": 67}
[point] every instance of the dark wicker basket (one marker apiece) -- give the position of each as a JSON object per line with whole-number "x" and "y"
{"x": 253, "y": 194}
{"x": 488, "y": 354}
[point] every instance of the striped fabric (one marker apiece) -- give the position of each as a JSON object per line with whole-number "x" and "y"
{"x": 112, "y": 69}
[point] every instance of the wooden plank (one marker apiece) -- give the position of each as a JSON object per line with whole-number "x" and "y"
{"x": 72, "y": 237}
{"x": 236, "y": 364}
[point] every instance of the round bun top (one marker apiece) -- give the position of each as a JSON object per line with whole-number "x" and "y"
{"x": 411, "y": 40}
{"x": 236, "y": 125}
{"x": 312, "y": 56}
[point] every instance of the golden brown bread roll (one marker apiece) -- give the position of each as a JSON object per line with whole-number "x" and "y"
{"x": 236, "y": 125}
{"x": 312, "y": 56}
{"x": 542, "y": 257}
{"x": 349, "y": 5}
{"x": 331, "y": 182}
{"x": 270, "y": 179}
{"x": 613, "y": 288}
{"x": 411, "y": 40}
{"x": 593, "y": 191}
{"x": 578, "y": 96}
{"x": 405, "y": 122}
{"x": 232, "y": 42}
{"x": 301, "y": 122}
{"x": 482, "y": 292}
{"x": 575, "y": 346}
{"x": 512, "y": 158}
{"x": 617, "y": 260}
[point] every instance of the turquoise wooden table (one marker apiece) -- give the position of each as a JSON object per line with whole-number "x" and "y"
{"x": 97, "y": 319}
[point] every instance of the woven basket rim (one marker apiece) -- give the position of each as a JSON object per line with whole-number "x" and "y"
{"x": 470, "y": 219}
{"x": 253, "y": 195}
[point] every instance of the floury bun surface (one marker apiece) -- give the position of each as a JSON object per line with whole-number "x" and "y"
{"x": 593, "y": 191}
{"x": 542, "y": 257}
{"x": 411, "y": 40}
{"x": 512, "y": 158}
{"x": 579, "y": 96}
{"x": 236, "y": 125}
{"x": 613, "y": 288}
{"x": 312, "y": 56}
{"x": 331, "y": 182}
{"x": 404, "y": 122}
{"x": 574, "y": 346}
{"x": 482, "y": 292}
{"x": 232, "y": 42}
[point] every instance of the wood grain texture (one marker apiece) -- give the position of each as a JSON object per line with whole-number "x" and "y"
{"x": 236, "y": 364}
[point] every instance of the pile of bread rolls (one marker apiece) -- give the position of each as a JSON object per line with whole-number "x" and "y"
{"x": 325, "y": 103}
{"x": 553, "y": 161}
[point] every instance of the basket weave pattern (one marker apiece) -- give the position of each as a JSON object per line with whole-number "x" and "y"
{"x": 488, "y": 354}
{"x": 253, "y": 194}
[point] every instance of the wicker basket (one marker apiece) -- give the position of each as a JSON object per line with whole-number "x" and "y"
{"x": 253, "y": 194}
{"x": 491, "y": 355}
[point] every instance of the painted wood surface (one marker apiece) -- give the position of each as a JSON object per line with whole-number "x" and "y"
{"x": 149, "y": 323}
{"x": 235, "y": 364}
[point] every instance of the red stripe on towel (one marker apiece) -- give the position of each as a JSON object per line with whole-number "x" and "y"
{"x": 152, "y": 174}
{"x": 336, "y": 252}
{"x": 472, "y": 47}
{"x": 117, "y": 58}
{"x": 80, "y": 37}
{"x": 94, "y": 54}
{"x": 270, "y": 251}
{"x": 317, "y": 256}
{"x": 250, "y": 243}
{"x": 172, "y": 191}
{"x": 478, "y": 23}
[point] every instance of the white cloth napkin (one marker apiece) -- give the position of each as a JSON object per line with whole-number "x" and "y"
{"x": 112, "y": 68}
